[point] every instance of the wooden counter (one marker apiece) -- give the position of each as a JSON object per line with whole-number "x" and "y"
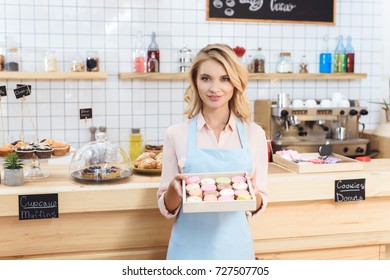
{"x": 121, "y": 220}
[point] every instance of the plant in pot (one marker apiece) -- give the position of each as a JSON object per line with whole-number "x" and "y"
{"x": 13, "y": 170}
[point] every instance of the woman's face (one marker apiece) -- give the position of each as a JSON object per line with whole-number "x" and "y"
{"x": 214, "y": 86}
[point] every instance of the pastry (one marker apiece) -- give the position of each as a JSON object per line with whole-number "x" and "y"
{"x": 207, "y": 181}
{"x": 196, "y": 192}
{"x": 18, "y": 144}
{"x": 216, "y": 193}
{"x": 226, "y": 198}
{"x": 240, "y": 186}
{"x": 208, "y": 187}
{"x": 158, "y": 164}
{"x": 159, "y": 157}
{"x": 43, "y": 151}
{"x": 92, "y": 172}
{"x": 110, "y": 173}
{"x": 222, "y": 180}
{"x": 224, "y": 186}
{"x": 25, "y": 152}
{"x": 192, "y": 186}
{"x": 141, "y": 157}
{"x": 148, "y": 163}
{"x": 244, "y": 196}
{"x": 60, "y": 149}
{"x": 5, "y": 150}
{"x": 227, "y": 192}
{"x": 193, "y": 180}
{"x": 210, "y": 197}
{"x": 194, "y": 199}
{"x": 237, "y": 179}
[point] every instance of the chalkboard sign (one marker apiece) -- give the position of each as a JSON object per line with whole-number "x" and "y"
{"x": 38, "y": 206}
{"x": 350, "y": 190}
{"x": 22, "y": 90}
{"x": 3, "y": 91}
{"x": 295, "y": 11}
{"x": 85, "y": 113}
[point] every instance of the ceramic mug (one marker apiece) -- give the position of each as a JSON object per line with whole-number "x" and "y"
{"x": 326, "y": 103}
{"x": 344, "y": 103}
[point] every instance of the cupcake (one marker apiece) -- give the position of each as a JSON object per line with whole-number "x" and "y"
{"x": 110, "y": 173}
{"x": 5, "y": 150}
{"x": 60, "y": 149}
{"x": 25, "y": 152}
{"x": 43, "y": 151}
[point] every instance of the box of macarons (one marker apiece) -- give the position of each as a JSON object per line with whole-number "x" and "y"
{"x": 217, "y": 192}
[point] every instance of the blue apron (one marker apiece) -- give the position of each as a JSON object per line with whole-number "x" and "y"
{"x": 213, "y": 235}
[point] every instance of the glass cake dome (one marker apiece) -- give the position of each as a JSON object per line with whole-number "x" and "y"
{"x": 100, "y": 161}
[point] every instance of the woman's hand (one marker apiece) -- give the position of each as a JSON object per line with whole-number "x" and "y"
{"x": 173, "y": 195}
{"x": 259, "y": 198}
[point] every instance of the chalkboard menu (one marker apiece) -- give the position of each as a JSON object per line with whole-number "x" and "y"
{"x": 350, "y": 190}
{"x": 38, "y": 206}
{"x": 295, "y": 11}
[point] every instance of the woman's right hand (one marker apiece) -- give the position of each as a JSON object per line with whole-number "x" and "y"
{"x": 173, "y": 195}
{"x": 176, "y": 184}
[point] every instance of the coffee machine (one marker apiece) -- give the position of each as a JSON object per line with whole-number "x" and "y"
{"x": 305, "y": 129}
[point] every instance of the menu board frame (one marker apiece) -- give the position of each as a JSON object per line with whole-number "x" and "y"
{"x": 284, "y": 11}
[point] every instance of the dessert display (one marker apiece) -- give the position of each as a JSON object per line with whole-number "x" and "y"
{"x": 217, "y": 192}
{"x": 43, "y": 149}
{"x": 99, "y": 161}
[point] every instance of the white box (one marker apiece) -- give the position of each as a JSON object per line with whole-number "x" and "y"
{"x": 345, "y": 164}
{"x": 219, "y": 206}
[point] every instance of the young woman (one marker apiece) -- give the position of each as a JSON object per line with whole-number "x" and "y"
{"x": 218, "y": 136}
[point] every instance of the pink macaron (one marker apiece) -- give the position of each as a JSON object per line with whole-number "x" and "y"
{"x": 193, "y": 180}
{"x": 237, "y": 179}
{"x": 226, "y": 198}
{"x": 208, "y": 187}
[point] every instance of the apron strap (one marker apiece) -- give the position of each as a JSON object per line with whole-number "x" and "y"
{"x": 242, "y": 134}
{"x": 192, "y": 136}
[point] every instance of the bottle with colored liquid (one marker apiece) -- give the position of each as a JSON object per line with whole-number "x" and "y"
{"x": 135, "y": 144}
{"x": 350, "y": 56}
{"x": 325, "y": 57}
{"x": 153, "y": 55}
{"x": 139, "y": 55}
{"x": 339, "y": 61}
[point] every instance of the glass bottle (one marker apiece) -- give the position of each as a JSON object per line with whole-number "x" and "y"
{"x": 153, "y": 64}
{"x": 153, "y": 54}
{"x": 92, "y": 61}
{"x": 325, "y": 57}
{"x": 185, "y": 59}
{"x": 258, "y": 62}
{"x": 339, "y": 65}
{"x": 135, "y": 144}
{"x": 12, "y": 59}
{"x": 284, "y": 64}
{"x": 350, "y": 56}
{"x": 50, "y": 61}
{"x": 139, "y": 57}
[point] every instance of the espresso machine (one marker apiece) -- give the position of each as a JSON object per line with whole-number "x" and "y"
{"x": 305, "y": 129}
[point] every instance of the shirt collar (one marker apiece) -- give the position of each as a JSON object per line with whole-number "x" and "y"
{"x": 230, "y": 125}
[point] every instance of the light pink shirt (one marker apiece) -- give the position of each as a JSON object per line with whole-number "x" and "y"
{"x": 175, "y": 154}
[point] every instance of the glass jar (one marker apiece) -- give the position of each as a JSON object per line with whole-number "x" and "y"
{"x": 284, "y": 64}
{"x": 12, "y": 59}
{"x": 50, "y": 61}
{"x": 2, "y": 59}
{"x": 256, "y": 64}
{"x": 92, "y": 62}
{"x": 77, "y": 65}
{"x": 185, "y": 59}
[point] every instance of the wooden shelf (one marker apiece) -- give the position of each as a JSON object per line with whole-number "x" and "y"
{"x": 53, "y": 75}
{"x": 252, "y": 76}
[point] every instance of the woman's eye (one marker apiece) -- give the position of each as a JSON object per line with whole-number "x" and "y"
{"x": 225, "y": 79}
{"x": 204, "y": 78}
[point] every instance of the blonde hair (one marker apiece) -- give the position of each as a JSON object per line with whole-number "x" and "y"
{"x": 238, "y": 75}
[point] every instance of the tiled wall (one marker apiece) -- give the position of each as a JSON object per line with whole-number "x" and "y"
{"x": 74, "y": 27}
